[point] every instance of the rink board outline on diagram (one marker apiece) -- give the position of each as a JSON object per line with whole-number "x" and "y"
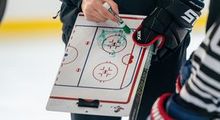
{"x": 134, "y": 76}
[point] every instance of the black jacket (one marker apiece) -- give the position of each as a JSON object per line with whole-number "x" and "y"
{"x": 70, "y": 9}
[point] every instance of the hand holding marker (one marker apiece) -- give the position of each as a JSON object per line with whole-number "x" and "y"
{"x": 119, "y": 20}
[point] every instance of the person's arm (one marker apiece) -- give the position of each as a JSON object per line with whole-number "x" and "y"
{"x": 68, "y": 13}
{"x": 2, "y": 9}
{"x": 199, "y": 98}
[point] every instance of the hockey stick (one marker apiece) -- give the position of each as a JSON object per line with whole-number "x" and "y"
{"x": 140, "y": 90}
{"x": 154, "y": 45}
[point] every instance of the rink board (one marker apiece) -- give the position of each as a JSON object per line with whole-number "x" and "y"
{"x": 100, "y": 71}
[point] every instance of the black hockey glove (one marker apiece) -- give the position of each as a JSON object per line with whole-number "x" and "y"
{"x": 168, "y": 25}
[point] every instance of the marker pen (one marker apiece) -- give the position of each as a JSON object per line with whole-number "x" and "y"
{"x": 119, "y": 20}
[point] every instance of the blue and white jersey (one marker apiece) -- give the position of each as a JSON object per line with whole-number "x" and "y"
{"x": 201, "y": 92}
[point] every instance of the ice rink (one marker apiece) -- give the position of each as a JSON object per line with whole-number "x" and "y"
{"x": 28, "y": 67}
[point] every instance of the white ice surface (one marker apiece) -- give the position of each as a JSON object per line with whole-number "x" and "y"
{"x": 28, "y": 67}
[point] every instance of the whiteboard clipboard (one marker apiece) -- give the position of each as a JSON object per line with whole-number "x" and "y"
{"x": 101, "y": 69}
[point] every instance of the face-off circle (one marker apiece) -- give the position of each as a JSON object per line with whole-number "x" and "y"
{"x": 105, "y": 71}
{"x": 70, "y": 55}
{"x": 127, "y": 59}
{"x": 114, "y": 44}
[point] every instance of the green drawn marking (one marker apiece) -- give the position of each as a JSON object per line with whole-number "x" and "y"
{"x": 107, "y": 33}
{"x": 113, "y": 53}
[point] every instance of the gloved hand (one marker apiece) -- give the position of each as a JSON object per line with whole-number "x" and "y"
{"x": 168, "y": 25}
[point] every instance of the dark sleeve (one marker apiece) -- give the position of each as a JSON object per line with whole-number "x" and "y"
{"x": 68, "y": 14}
{"x": 2, "y": 8}
{"x": 214, "y": 13}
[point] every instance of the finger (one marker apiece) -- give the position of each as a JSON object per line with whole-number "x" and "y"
{"x": 113, "y": 5}
{"x": 92, "y": 15}
{"x": 102, "y": 16}
{"x": 104, "y": 12}
{"x": 88, "y": 11}
{"x": 99, "y": 16}
{"x": 94, "y": 18}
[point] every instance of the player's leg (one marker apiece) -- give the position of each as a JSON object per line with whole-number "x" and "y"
{"x": 2, "y": 8}
{"x": 92, "y": 117}
{"x": 162, "y": 78}
{"x": 213, "y": 12}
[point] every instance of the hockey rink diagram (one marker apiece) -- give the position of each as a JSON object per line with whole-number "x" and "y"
{"x": 30, "y": 61}
{"x": 90, "y": 70}
{"x": 102, "y": 63}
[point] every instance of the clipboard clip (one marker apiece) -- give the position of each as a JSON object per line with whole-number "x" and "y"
{"x": 88, "y": 103}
